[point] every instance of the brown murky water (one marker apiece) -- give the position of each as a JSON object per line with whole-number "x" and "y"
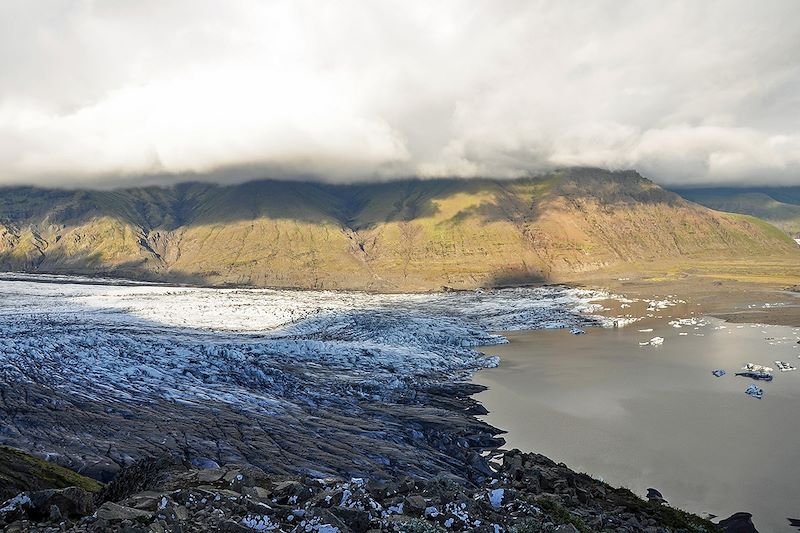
{"x": 654, "y": 416}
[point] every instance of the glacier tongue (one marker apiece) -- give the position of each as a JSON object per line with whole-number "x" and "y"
{"x": 95, "y": 376}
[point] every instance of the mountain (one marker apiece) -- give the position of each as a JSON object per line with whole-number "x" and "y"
{"x": 779, "y": 206}
{"x": 399, "y": 235}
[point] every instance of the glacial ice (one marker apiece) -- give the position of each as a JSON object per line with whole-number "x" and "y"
{"x": 274, "y": 354}
{"x": 194, "y": 343}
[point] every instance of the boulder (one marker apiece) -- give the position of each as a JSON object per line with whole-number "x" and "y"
{"x": 258, "y": 493}
{"x": 381, "y": 488}
{"x": 355, "y": 519}
{"x": 55, "y": 514}
{"x": 738, "y": 523}
{"x": 230, "y": 526}
{"x": 566, "y": 528}
{"x": 240, "y": 476}
{"x": 291, "y": 493}
{"x": 205, "y": 463}
{"x": 144, "y": 501}
{"x": 415, "y": 505}
{"x": 70, "y": 502}
{"x": 112, "y": 512}
{"x": 655, "y": 496}
{"x": 326, "y": 518}
{"x": 211, "y": 475}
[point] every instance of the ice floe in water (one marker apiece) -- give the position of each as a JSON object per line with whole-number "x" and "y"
{"x": 754, "y": 391}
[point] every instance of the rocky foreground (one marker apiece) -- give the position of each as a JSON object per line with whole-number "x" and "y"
{"x": 523, "y": 493}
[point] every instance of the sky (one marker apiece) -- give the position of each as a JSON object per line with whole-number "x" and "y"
{"x": 111, "y": 92}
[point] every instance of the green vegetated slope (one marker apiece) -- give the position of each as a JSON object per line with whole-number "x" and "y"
{"x": 779, "y": 206}
{"x": 400, "y": 235}
{"x": 20, "y": 471}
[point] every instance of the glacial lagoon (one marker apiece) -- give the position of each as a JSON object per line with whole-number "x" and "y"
{"x": 655, "y": 416}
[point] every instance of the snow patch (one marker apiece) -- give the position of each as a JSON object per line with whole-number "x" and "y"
{"x": 496, "y": 497}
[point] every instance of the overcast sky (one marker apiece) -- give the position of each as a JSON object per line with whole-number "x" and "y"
{"x": 108, "y": 92}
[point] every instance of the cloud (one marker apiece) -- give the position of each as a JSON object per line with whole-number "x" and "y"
{"x": 118, "y": 92}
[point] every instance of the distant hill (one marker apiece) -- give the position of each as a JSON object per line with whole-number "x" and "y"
{"x": 399, "y": 235}
{"x": 779, "y": 206}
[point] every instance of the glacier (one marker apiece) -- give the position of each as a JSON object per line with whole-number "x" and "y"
{"x": 95, "y": 374}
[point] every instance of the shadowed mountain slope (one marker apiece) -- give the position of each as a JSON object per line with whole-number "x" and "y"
{"x": 400, "y": 235}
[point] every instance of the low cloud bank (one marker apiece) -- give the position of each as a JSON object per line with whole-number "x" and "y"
{"x": 685, "y": 92}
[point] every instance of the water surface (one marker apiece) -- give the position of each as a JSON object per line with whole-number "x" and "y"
{"x": 655, "y": 416}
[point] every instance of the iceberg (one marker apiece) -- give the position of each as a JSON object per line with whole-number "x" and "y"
{"x": 754, "y": 391}
{"x": 754, "y": 374}
{"x": 757, "y": 368}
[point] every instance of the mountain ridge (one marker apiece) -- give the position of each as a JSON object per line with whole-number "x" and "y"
{"x": 401, "y": 235}
{"x": 779, "y": 206}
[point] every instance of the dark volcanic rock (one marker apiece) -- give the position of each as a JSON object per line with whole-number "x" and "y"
{"x": 109, "y": 513}
{"x": 738, "y": 523}
{"x": 654, "y": 495}
{"x": 70, "y": 502}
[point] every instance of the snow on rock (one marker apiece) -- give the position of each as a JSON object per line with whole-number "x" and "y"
{"x": 16, "y": 502}
{"x": 258, "y": 523}
{"x": 496, "y": 497}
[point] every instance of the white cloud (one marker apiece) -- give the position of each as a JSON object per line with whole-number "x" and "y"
{"x": 685, "y": 91}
